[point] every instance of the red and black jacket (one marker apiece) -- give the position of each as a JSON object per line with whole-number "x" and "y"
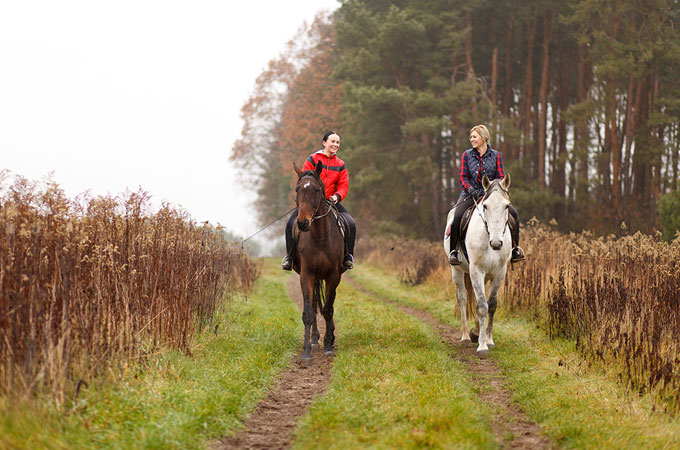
{"x": 334, "y": 174}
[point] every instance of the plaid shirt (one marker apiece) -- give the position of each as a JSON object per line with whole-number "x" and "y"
{"x": 473, "y": 167}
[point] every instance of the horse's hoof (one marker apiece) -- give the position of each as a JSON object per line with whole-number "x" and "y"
{"x": 328, "y": 353}
{"x": 306, "y": 358}
{"x": 490, "y": 345}
{"x": 315, "y": 345}
{"x": 482, "y": 352}
{"x": 474, "y": 337}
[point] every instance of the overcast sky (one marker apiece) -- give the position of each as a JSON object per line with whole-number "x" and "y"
{"x": 128, "y": 94}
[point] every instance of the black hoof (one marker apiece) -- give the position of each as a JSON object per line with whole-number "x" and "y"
{"x": 307, "y": 357}
{"x": 328, "y": 353}
{"x": 315, "y": 345}
{"x": 474, "y": 337}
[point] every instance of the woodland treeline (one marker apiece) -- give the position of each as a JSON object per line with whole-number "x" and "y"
{"x": 581, "y": 98}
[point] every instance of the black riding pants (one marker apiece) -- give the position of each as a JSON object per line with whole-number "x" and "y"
{"x": 290, "y": 242}
{"x": 460, "y": 210}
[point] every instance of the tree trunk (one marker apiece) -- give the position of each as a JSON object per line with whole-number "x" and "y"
{"x": 543, "y": 113}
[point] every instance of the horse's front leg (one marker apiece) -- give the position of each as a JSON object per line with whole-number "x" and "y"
{"x": 315, "y": 308}
{"x": 329, "y": 338}
{"x": 495, "y": 286}
{"x": 477, "y": 278}
{"x": 308, "y": 313}
{"x": 461, "y": 295}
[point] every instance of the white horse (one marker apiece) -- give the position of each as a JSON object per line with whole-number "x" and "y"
{"x": 489, "y": 248}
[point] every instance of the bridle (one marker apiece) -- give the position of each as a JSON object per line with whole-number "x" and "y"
{"x": 323, "y": 197}
{"x": 482, "y": 213}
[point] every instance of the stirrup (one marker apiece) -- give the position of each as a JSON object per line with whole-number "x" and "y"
{"x": 517, "y": 255}
{"x": 453, "y": 258}
{"x": 348, "y": 262}
{"x": 287, "y": 263}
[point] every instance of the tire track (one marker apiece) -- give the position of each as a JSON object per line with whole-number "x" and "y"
{"x": 271, "y": 424}
{"x": 511, "y": 426}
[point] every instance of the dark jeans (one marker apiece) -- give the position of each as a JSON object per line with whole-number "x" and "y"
{"x": 460, "y": 210}
{"x": 290, "y": 243}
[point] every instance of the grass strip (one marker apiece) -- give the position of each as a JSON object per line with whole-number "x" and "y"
{"x": 175, "y": 400}
{"x": 394, "y": 385}
{"x": 577, "y": 403}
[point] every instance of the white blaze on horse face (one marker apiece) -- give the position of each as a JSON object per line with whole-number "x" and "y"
{"x": 496, "y": 212}
{"x": 307, "y": 184}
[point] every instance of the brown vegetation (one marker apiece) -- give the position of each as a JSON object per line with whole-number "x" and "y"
{"x": 618, "y": 298}
{"x": 91, "y": 284}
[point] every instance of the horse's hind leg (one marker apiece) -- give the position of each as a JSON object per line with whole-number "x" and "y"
{"x": 329, "y": 338}
{"x": 461, "y": 296}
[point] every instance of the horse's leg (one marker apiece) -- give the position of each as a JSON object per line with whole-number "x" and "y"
{"x": 461, "y": 295}
{"x": 494, "y": 287}
{"x": 329, "y": 338}
{"x": 315, "y": 308}
{"x": 477, "y": 279}
{"x": 308, "y": 313}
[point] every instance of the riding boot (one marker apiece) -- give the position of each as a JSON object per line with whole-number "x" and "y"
{"x": 287, "y": 263}
{"x": 348, "y": 262}
{"x": 454, "y": 260}
{"x": 517, "y": 254}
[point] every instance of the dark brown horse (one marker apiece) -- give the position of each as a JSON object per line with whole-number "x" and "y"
{"x": 320, "y": 250}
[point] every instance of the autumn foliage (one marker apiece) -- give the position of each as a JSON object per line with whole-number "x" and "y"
{"x": 93, "y": 283}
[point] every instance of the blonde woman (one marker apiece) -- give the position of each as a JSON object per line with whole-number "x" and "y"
{"x": 476, "y": 162}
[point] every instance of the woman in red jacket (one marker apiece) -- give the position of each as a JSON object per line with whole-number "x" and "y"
{"x": 336, "y": 181}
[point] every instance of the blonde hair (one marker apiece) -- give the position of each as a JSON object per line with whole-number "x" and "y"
{"x": 483, "y": 132}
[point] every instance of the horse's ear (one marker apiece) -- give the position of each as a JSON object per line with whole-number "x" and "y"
{"x": 506, "y": 181}
{"x": 485, "y": 182}
{"x": 319, "y": 167}
{"x": 298, "y": 171}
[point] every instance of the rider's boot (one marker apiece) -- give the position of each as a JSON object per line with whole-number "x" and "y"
{"x": 454, "y": 260}
{"x": 287, "y": 263}
{"x": 348, "y": 262}
{"x": 517, "y": 254}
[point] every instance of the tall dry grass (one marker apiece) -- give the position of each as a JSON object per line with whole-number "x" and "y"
{"x": 92, "y": 283}
{"x": 617, "y": 297}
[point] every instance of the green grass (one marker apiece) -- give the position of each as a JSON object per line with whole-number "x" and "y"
{"x": 394, "y": 385}
{"x": 576, "y": 403}
{"x": 176, "y": 400}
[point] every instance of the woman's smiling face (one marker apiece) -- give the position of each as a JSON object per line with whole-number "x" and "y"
{"x": 332, "y": 144}
{"x": 476, "y": 140}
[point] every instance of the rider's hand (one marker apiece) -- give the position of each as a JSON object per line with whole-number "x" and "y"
{"x": 335, "y": 198}
{"x": 477, "y": 194}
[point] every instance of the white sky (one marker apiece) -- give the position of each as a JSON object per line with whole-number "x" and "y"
{"x": 128, "y": 94}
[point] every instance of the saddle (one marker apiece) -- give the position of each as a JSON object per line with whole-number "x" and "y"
{"x": 465, "y": 221}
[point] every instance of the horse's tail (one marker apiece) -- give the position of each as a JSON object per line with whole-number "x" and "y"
{"x": 318, "y": 295}
{"x": 471, "y": 307}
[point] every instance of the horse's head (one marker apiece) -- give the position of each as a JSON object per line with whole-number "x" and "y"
{"x": 310, "y": 194}
{"x": 496, "y": 204}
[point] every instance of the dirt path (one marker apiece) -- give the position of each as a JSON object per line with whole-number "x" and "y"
{"x": 512, "y": 428}
{"x": 272, "y": 423}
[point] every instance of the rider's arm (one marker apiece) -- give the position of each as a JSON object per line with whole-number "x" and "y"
{"x": 465, "y": 174}
{"x": 343, "y": 183}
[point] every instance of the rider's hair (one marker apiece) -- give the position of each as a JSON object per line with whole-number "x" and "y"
{"x": 328, "y": 133}
{"x": 483, "y": 132}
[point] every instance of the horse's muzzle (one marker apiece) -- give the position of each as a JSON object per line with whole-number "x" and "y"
{"x": 496, "y": 245}
{"x": 304, "y": 225}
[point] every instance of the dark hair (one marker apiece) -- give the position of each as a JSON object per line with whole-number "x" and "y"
{"x": 328, "y": 133}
